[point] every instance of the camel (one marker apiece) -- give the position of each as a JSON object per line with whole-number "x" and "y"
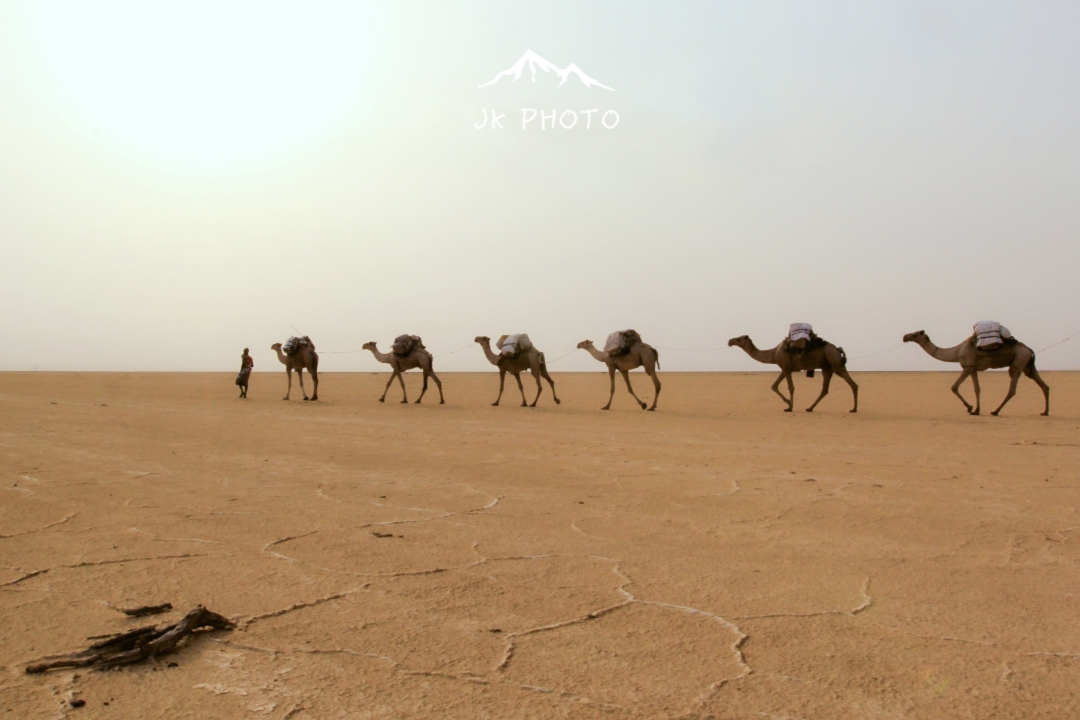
{"x": 1016, "y": 356}
{"x": 828, "y": 358}
{"x": 639, "y": 355}
{"x": 531, "y": 360}
{"x": 305, "y": 357}
{"x": 417, "y": 357}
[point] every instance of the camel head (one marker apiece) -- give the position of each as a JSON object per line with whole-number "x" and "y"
{"x": 742, "y": 341}
{"x": 275, "y": 346}
{"x": 368, "y": 345}
{"x": 917, "y": 336}
{"x": 584, "y": 344}
{"x": 482, "y": 339}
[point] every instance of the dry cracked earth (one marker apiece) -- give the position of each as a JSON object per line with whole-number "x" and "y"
{"x": 716, "y": 559}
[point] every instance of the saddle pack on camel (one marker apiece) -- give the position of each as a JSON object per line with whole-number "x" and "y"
{"x": 405, "y": 344}
{"x": 801, "y": 337}
{"x": 990, "y": 336}
{"x": 294, "y": 344}
{"x": 512, "y": 345}
{"x": 619, "y": 343}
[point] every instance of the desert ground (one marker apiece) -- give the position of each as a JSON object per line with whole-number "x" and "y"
{"x": 718, "y": 558}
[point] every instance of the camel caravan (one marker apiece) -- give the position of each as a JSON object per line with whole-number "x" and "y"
{"x": 990, "y": 346}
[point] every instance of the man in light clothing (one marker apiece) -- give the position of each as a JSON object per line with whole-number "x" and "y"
{"x": 246, "y": 364}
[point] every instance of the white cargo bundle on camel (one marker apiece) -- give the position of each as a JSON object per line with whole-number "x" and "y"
{"x": 620, "y": 342}
{"x": 294, "y": 344}
{"x": 512, "y": 345}
{"x": 800, "y": 332}
{"x": 990, "y": 335}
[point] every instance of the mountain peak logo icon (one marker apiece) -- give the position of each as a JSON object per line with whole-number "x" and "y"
{"x": 534, "y": 62}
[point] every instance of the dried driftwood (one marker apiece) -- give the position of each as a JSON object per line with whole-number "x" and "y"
{"x": 147, "y": 610}
{"x": 135, "y": 645}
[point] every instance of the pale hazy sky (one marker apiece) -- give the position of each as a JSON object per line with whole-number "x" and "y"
{"x": 181, "y": 180}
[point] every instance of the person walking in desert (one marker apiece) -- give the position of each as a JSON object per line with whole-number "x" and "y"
{"x": 246, "y": 364}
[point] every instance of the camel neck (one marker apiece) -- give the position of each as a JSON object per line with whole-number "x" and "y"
{"x": 380, "y": 356}
{"x": 596, "y": 353}
{"x": 762, "y": 356}
{"x": 944, "y": 354}
{"x": 492, "y": 357}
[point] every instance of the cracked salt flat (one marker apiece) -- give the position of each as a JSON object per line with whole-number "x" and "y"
{"x": 710, "y": 519}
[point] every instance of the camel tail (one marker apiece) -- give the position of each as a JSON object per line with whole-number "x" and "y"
{"x": 843, "y": 357}
{"x": 657, "y": 358}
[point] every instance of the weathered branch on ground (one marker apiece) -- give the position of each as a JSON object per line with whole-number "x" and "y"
{"x": 147, "y": 610}
{"x": 135, "y": 645}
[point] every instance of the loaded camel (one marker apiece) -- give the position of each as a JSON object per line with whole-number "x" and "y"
{"x": 415, "y": 356}
{"x": 1016, "y": 356}
{"x": 530, "y": 359}
{"x": 303, "y": 358}
{"x": 639, "y": 354}
{"x": 822, "y": 356}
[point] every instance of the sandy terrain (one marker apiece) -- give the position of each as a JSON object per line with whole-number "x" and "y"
{"x": 717, "y": 558}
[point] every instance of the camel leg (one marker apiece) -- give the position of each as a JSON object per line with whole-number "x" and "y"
{"x": 300, "y": 377}
{"x": 978, "y": 392}
{"x": 611, "y": 374}
{"x": 1014, "y": 378}
{"x": 387, "y": 388}
{"x": 842, "y": 372}
{"x": 1032, "y": 373}
{"x": 424, "y": 388}
{"x": 956, "y": 389}
{"x": 544, "y": 373}
{"x": 650, "y": 370}
{"x": 502, "y": 383}
{"x": 288, "y": 391}
{"x": 776, "y": 389}
{"x": 536, "y": 366}
{"x": 826, "y": 379}
{"x": 401, "y": 379}
{"x": 524, "y": 402}
{"x": 314, "y": 373}
{"x": 438, "y": 384}
{"x": 626, "y": 377}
